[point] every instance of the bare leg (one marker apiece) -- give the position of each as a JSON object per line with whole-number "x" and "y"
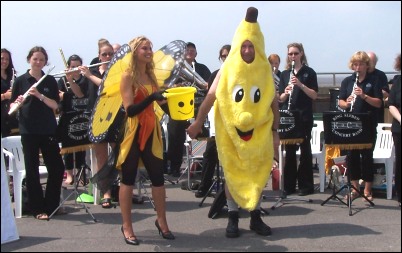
{"x": 125, "y": 195}
{"x": 101, "y": 151}
{"x": 69, "y": 179}
{"x": 159, "y": 196}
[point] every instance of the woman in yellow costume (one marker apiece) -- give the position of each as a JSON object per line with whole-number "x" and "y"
{"x": 142, "y": 137}
{"x": 246, "y": 120}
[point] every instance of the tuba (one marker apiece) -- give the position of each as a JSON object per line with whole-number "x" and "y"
{"x": 170, "y": 65}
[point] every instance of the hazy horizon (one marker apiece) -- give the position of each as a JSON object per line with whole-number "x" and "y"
{"x": 330, "y": 31}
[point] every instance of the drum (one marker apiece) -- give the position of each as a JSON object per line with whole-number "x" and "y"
{"x": 72, "y": 131}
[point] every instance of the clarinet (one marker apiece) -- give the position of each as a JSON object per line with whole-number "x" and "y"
{"x": 13, "y": 78}
{"x": 353, "y": 92}
{"x": 291, "y": 74}
{"x": 276, "y": 79}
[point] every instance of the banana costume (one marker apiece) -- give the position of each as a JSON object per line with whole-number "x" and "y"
{"x": 243, "y": 116}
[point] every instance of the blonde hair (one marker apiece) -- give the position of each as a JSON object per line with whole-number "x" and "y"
{"x": 303, "y": 58}
{"x": 359, "y": 56}
{"x": 133, "y": 68}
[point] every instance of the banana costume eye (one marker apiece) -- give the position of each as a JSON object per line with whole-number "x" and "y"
{"x": 243, "y": 116}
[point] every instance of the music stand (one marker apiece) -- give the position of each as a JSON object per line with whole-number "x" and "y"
{"x": 348, "y": 131}
{"x": 290, "y": 132}
{"x": 217, "y": 182}
{"x": 76, "y": 183}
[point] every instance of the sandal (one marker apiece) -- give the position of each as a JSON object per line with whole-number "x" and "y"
{"x": 368, "y": 196}
{"x": 107, "y": 203}
{"x": 42, "y": 216}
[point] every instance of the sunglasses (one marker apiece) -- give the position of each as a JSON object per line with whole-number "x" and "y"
{"x": 224, "y": 55}
{"x": 107, "y": 54}
{"x": 295, "y": 54}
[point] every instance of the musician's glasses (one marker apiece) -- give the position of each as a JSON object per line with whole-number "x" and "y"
{"x": 107, "y": 54}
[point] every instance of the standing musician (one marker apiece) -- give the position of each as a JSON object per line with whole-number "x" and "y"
{"x": 177, "y": 128}
{"x": 37, "y": 124}
{"x": 73, "y": 92}
{"x": 7, "y": 78}
{"x": 363, "y": 91}
{"x": 297, "y": 91}
{"x": 95, "y": 76}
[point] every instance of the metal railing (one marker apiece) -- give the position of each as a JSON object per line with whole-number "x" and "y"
{"x": 336, "y": 78}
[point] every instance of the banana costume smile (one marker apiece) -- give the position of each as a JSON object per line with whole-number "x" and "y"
{"x": 243, "y": 116}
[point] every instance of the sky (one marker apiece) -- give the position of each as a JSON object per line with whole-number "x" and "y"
{"x": 330, "y": 31}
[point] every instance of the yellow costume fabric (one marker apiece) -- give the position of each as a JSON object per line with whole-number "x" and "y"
{"x": 243, "y": 118}
{"x": 149, "y": 122}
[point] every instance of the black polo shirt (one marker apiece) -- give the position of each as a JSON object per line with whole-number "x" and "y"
{"x": 300, "y": 101}
{"x": 35, "y": 117}
{"x": 370, "y": 86}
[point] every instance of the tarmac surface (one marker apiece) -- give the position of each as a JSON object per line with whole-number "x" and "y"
{"x": 296, "y": 226}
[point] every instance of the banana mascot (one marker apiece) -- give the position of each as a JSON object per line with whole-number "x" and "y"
{"x": 244, "y": 118}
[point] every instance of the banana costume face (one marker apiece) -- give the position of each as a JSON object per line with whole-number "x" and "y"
{"x": 244, "y": 118}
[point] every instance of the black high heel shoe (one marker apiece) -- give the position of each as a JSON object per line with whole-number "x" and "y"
{"x": 167, "y": 235}
{"x": 128, "y": 240}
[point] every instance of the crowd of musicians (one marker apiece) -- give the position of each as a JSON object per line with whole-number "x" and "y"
{"x": 365, "y": 90}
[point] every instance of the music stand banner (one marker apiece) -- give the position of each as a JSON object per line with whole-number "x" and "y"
{"x": 290, "y": 127}
{"x": 348, "y": 130}
{"x": 73, "y": 131}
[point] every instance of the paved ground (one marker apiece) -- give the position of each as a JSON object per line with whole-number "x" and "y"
{"x": 296, "y": 226}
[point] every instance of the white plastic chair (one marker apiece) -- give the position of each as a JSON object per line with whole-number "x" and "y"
{"x": 317, "y": 150}
{"x": 194, "y": 154}
{"x": 12, "y": 147}
{"x": 384, "y": 153}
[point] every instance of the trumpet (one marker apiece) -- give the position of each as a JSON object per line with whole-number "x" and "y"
{"x": 63, "y": 73}
{"x": 17, "y": 105}
{"x": 353, "y": 94}
{"x": 291, "y": 74}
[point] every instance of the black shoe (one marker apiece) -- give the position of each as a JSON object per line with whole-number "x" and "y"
{"x": 200, "y": 194}
{"x": 166, "y": 235}
{"x": 289, "y": 192}
{"x": 258, "y": 225}
{"x": 128, "y": 240}
{"x": 232, "y": 229}
{"x": 176, "y": 173}
{"x": 304, "y": 192}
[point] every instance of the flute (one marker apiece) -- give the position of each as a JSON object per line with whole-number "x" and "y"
{"x": 291, "y": 74}
{"x": 17, "y": 105}
{"x": 62, "y": 73}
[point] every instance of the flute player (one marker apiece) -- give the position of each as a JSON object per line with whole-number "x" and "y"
{"x": 37, "y": 124}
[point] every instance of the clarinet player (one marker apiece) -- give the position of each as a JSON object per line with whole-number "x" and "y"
{"x": 360, "y": 93}
{"x": 298, "y": 89}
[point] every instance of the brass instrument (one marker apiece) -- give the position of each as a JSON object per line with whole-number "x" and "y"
{"x": 17, "y": 105}
{"x": 291, "y": 74}
{"x": 353, "y": 94}
{"x": 65, "y": 65}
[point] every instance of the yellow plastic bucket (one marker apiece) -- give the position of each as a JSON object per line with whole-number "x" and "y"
{"x": 180, "y": 102}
